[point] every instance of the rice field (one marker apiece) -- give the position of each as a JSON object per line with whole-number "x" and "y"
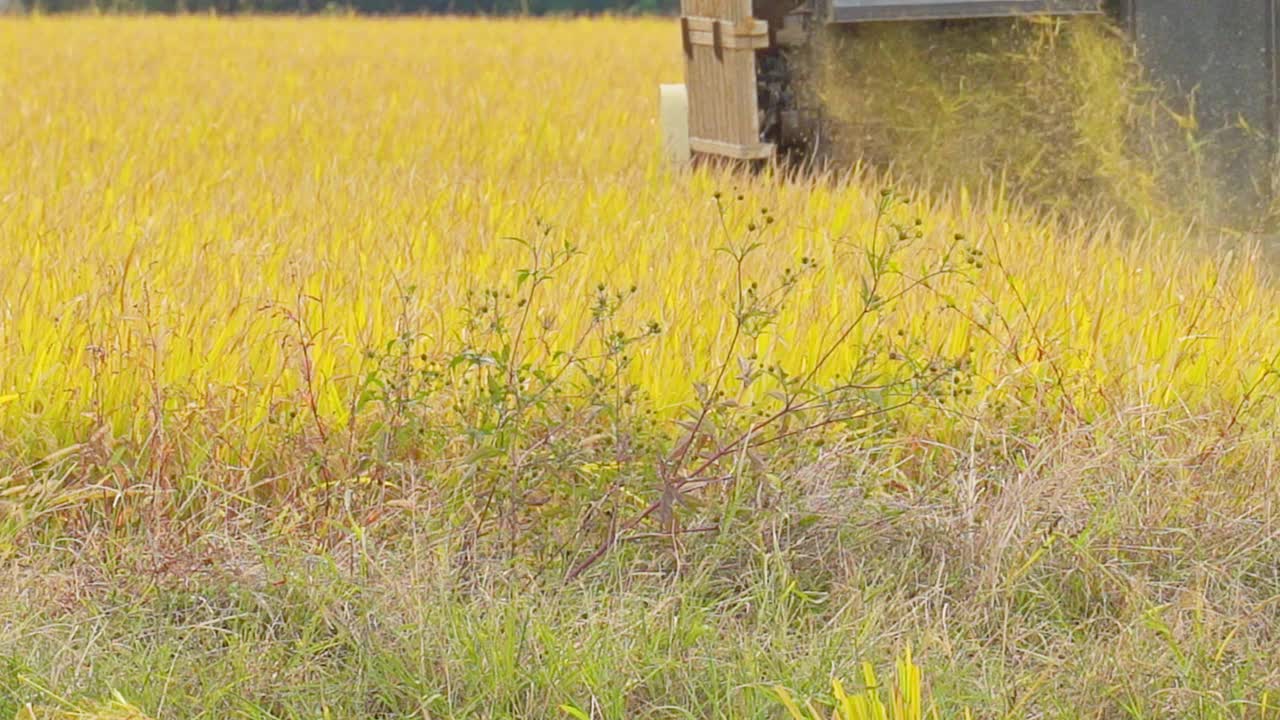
{"x": 240, "y": 259}
{"x": 166, "y": 182}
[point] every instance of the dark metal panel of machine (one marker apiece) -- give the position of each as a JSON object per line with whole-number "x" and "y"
{"x": 850, "y": 11}
{"x": 1223, "y": 54}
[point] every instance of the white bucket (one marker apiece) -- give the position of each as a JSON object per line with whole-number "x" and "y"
{"x": 674, "y": 111}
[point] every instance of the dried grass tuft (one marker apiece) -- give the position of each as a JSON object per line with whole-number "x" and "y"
{"x": 1056, "y": 111}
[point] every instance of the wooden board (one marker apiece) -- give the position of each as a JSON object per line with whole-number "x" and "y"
{"x": 720, "y": 43}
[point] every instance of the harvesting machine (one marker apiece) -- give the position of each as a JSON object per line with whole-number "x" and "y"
{"x": 740, "y": 98}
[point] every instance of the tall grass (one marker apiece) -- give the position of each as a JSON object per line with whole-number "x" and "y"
{"x": 168, "y": 185}
{"x": 539, "y": 421}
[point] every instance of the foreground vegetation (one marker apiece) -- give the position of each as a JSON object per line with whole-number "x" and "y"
{"x": 383, "y": 369}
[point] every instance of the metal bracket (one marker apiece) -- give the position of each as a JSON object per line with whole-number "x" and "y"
{"x": 850, "y": 11}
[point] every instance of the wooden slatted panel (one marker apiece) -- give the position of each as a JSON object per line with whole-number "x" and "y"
{"x": 721, "y": 78}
